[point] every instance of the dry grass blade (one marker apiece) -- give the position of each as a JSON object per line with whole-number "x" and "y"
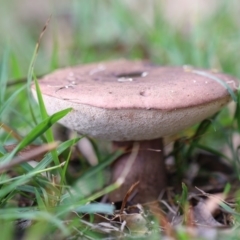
{"x": 129, "y": 192}
{"x": 42, "y": 33}
{"x": 25, "y": 156}
{"x": 11, "y": 147}
{"x": 161, "y": 218}
{"x": 128, "y": 166}
{"x": 31, "y": 67}
{"x": 9, "y": 130}
{"x": 218, "y": 197}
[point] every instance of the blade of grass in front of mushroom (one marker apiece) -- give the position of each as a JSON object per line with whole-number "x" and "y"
{"x": 34, "y": 172}
{"x": 96, "y": 150}
{"x": 64, "y": 171}
{"x": 180, "y": 149}
{"x": 49, "y": 134}
{"x": 228, "y": 209}
{"x": 30, "y": 174}
{"x": 40, "y": 203}
{"x": 31, "y": 68}
{"x": 95, "y": 208}
{"x": 183, "y": 199}
{"x": 201, "y": 130}
{"x": 89, "y": 178}
{"x": 182, "y": 152}
{"x": 86, "y": 208}
{"x": 109, "y": 159}
{"x": 60, "y": 149}
{"x": 12, "y": 184}
{"x": 41, "y": 166}
{"x": 122, "y": 177}
{"x": 218, "y": 80}
{"x": 85, "y": 179}
{"x": 33, "y": 214}
{"x": 8, "y": 229}
{"x": 36, "y": 132}
{"x": 212, "y": 151}
{"x": 6, "y": 198}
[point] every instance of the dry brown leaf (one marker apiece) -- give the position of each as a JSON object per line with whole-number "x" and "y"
{"x": 202, "y": 214}
{"x": 29, "y": 153}
{"x": 23, "y": 152}
{"x": 12, "y": 132}
{"x": 128, "y": 194}
{"x": 162, "y": 219}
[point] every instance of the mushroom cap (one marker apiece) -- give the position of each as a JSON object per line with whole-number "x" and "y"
{"x": 134, "y": 100}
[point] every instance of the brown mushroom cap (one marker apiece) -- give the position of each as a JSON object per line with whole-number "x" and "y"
{"x": 124, "y": 100}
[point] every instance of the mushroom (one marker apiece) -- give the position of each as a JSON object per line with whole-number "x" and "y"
{"x": 128, "y": 101}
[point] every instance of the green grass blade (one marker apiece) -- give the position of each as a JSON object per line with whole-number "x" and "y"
{"x": 38, "y": 131}
{"x": 202, "y": 128}
{"x": 48, "y": 133}
{"x": 96, "y": 207}
{"x": 60, "y": 149}
{"x": 13, "y": 214}
{"x": 40, "y": 203}
{"x": 101, "y": 166}
{"x": 218, "y": 80}
{"x": 6, "y": 103}
{"x": 212, "y": 151}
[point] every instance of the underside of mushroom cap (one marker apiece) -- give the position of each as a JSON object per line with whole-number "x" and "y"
{"x": 125, "y": 100}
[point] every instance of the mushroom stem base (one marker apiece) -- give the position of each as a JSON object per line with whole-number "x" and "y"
{"x": 148, "y": 168}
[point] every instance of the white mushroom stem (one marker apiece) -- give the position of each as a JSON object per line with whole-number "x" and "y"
{"x": 148, "y": 168}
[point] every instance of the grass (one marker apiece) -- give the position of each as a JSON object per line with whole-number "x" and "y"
{"x": 81, "y": 32}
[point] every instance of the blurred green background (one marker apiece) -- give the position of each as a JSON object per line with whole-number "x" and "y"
{"x": 201, "y": 33}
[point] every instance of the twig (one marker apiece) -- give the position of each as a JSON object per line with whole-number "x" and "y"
{"x": 29, "y": 155}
